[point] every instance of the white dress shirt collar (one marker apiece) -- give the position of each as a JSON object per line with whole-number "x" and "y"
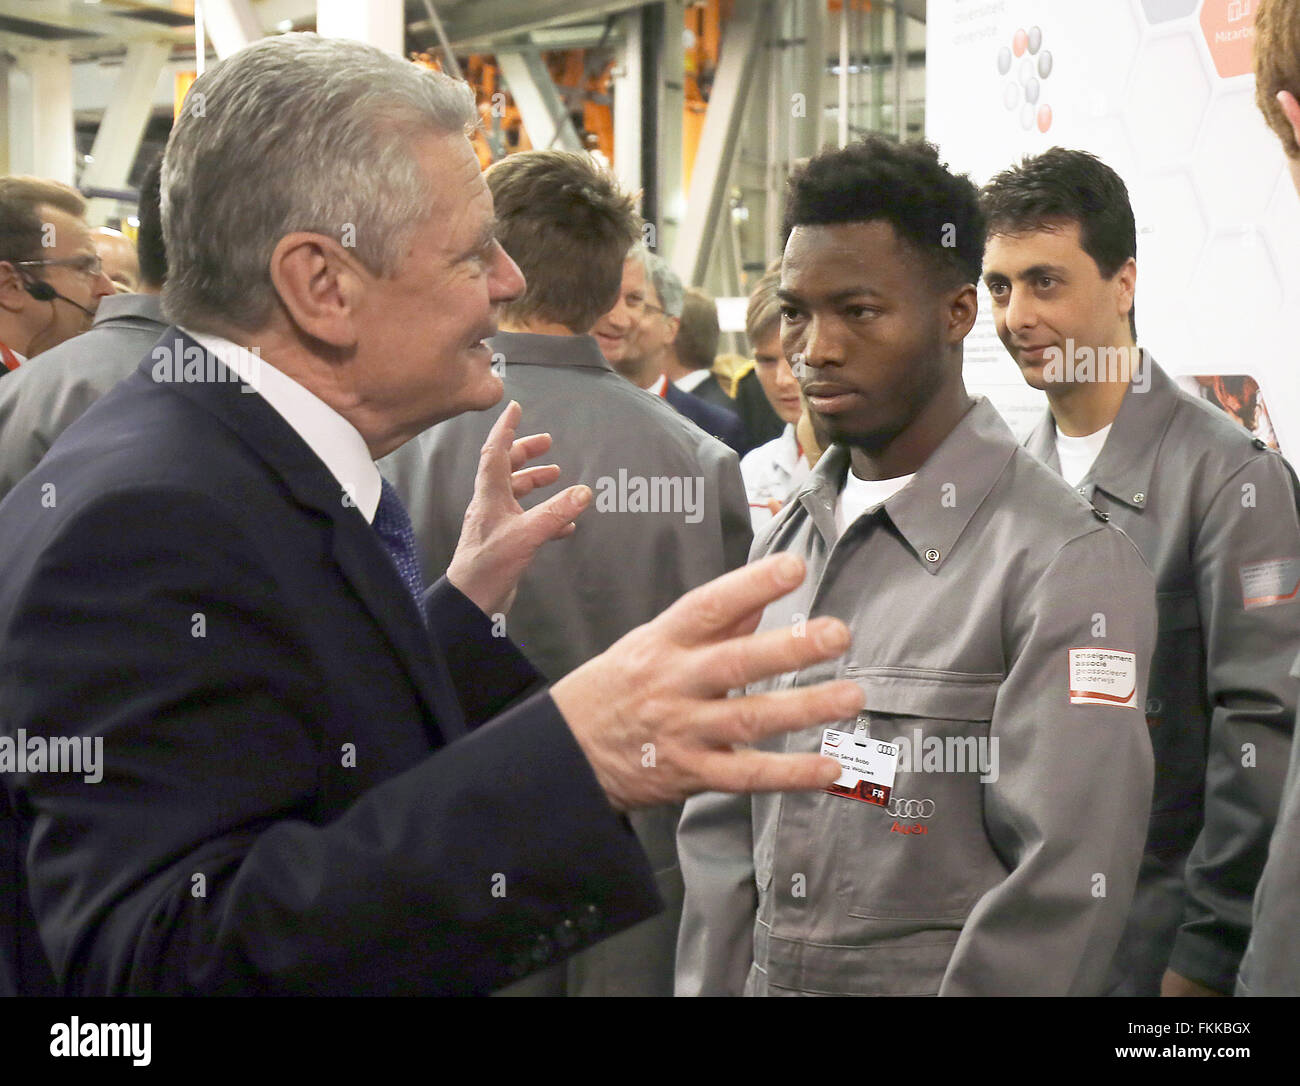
{"x": 328, "y": 434}
{"x": 693, "y": 380}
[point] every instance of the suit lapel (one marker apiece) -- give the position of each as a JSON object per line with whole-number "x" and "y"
{"x": 356, "y": 548}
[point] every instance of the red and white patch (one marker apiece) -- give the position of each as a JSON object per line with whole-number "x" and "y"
{"x": 1103, "y": 677}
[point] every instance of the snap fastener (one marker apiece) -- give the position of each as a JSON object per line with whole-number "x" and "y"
{"x": 1139, "y": 498}
{"x": 932, "y": 555}
{"x": 1259, "y": 443}
{"x": 1100, "y": 515}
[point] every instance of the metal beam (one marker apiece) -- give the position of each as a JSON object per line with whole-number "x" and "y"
{"x": 542, "y": 110}
{"x": 126, "y": 115}
{"x": 485, "y": 21}
{"x": 230, "y": 25}
{"x": 627, "y": 104}
{"x": 706, "y": 204}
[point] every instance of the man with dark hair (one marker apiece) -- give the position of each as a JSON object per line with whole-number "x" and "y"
{"x": 986, "y": 833}
{"x": 688, "y": 362}
{"x": 637, "y": 333}
{"x": 41, "y": 400}
{"x": 51, "y": 277}
{"x": 1213, "y": 512}
{"x": 568, "y": 226}
{"x": 1271, "y": 964}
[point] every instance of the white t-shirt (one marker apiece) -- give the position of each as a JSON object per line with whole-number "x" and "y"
{"x": 1077, "y": 454}
{"x": 859, "y": 495}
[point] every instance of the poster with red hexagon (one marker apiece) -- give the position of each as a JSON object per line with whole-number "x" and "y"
{"x": 1163, "y": 91}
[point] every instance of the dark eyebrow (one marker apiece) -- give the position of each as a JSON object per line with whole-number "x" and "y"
{"x": 839, "y": 296}
{"x": 1054, "y": 271}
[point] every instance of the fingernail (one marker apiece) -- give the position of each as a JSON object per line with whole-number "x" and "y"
{"x": 582, "y": 498}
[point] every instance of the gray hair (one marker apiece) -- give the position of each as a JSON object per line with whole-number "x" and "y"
{"x": 665, "y": 281}
{"x": 295, "y": 133}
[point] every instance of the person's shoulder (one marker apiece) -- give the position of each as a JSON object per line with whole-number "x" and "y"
{"x": 1205, "y": 435}
{"x": 1043, "y": 502}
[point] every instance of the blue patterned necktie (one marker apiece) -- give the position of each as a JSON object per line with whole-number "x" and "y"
{"x": 394, "y": 528}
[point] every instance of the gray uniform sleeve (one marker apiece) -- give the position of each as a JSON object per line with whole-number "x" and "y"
{"x": 737, "y": 528}
{"x": 1249, "y": 532}
{"x": 34, "y": 410}
{"x": 715, "y": 944}
{"x": 1068, "y": 811}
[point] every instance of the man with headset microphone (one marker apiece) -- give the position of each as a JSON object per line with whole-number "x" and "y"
{"x": 51, "y": 277}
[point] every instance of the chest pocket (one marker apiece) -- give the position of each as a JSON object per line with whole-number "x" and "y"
{"x": 926, "y": 855}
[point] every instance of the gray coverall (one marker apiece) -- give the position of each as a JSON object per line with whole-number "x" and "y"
{"x": 1213, "y": 512}
{"x": 968, "y": 592}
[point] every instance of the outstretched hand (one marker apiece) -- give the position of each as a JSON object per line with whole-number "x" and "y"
{"x": 499, "y": 537}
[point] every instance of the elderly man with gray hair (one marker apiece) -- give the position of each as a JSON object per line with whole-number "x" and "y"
{"x": 317, "y": 776}
{"x": 637, "y": 334}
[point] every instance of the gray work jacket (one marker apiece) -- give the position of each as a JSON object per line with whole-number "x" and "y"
{"x": 623, "y": 565}
{"x": 49, "y": 392}
{"x": 1006, "y": 858}
{"x": 1213, "y": 512}
{"x": 1271, "y": 964}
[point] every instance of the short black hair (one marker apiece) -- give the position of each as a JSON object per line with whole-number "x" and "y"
{"x": 1074, "y": 186}
{"x": 149, "y": 245}
{"x": 933, "y": 210}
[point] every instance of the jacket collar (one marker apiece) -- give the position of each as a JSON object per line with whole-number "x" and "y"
{"x": 932, "y": 510}
{"x": 1125, "y": 466}
{"x": 356, "y": 548}
{"x": 531, "y": 349}
{"x": 147, "y": 307}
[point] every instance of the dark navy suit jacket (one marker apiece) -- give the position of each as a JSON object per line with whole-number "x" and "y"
{"x": 715, "y": 421}
{"x": 297, "y": 796}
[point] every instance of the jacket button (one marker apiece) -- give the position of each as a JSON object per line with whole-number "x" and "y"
{"x": 932, "y": 555}
{"x": 1259, "y": 443}
{"x": 1100, "y": 515}
{"x": 1082, "y": 490}
{"x": 590, "y": 920}
{"x": 1154, "y": 706}
{"x": 566, "y": 933}
{"x": 1139, "y": 498}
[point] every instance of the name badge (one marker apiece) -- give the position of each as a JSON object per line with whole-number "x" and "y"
{"x": 867, "y": 766}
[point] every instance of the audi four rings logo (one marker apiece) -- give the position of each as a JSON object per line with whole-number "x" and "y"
{"x": 910, "y": 808}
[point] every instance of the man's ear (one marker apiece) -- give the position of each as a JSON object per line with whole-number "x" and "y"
{"x": 1126, "y": 287}
{"x": 319, "y": 285}
{"x": 1291, "y": 109}
{"x": 13, "y": 295}
{"x": 961, "y": 307}
{"x": 674, "y": 326}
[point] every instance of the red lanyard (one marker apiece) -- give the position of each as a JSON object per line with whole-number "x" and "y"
{"x": 10, "y": 359}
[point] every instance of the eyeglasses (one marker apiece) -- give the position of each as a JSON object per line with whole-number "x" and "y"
{"x": 90, "y": 264}
{"x": 636, "y": 305}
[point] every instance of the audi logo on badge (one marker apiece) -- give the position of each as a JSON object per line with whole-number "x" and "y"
{"x": 909, "y": 808}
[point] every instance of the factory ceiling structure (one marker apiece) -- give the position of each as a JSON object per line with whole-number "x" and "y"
{"x": 702, "y": 106}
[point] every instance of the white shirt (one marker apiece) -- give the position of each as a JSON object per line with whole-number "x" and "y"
{"x": 328, "y": 434}
{"x": 859, "y": 495}
{"x": 692, "y": 380}
{"x": 1077, "y": 454}
{"x": 772, "y": 472}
